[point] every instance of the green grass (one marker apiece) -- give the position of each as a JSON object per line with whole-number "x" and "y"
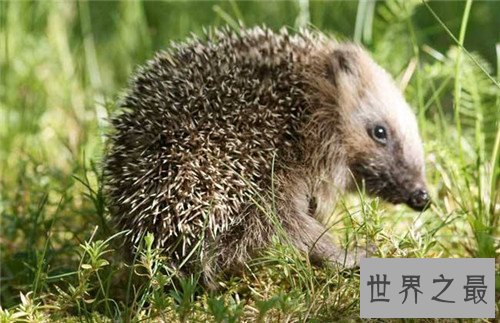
{"x": 62, "y": 66}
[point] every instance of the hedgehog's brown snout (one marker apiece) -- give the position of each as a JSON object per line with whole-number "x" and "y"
{"x": 419, "y": 200}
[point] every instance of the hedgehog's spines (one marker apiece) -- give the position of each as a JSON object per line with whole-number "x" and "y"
{"x": 200, "y": 117}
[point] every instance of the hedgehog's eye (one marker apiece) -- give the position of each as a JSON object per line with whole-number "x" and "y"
{"x": 379, "y": 133}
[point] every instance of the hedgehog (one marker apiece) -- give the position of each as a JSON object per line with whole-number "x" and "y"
{"x": 215, "y": 134}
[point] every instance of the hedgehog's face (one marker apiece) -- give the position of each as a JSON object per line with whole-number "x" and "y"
{"x": 390, "y": 160}
{"x": 380, "y": 134}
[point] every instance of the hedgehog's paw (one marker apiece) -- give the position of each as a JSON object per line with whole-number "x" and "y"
{"x": 352, "y": 259}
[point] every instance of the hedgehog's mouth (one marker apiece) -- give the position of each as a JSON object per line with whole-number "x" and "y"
{"x": 418, "y": 199}
{"x": 384, "y": 184}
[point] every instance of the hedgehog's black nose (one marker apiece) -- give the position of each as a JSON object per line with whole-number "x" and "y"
{"x": 419, "y": 200}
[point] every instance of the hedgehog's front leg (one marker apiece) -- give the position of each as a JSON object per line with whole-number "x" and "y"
{"x": 311, "y": 237}
{"x": 307, "y": 234}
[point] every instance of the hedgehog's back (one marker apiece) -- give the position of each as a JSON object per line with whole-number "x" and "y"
{"x": 201, "y": 126}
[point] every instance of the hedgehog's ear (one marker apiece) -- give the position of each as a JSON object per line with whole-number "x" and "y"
{"x": 343, "y": 63}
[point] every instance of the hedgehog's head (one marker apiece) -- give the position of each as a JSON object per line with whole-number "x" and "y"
{"x": 377, "y": 128}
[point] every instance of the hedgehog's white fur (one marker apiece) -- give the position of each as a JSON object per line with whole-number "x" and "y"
{"x": 385, "y": 102}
